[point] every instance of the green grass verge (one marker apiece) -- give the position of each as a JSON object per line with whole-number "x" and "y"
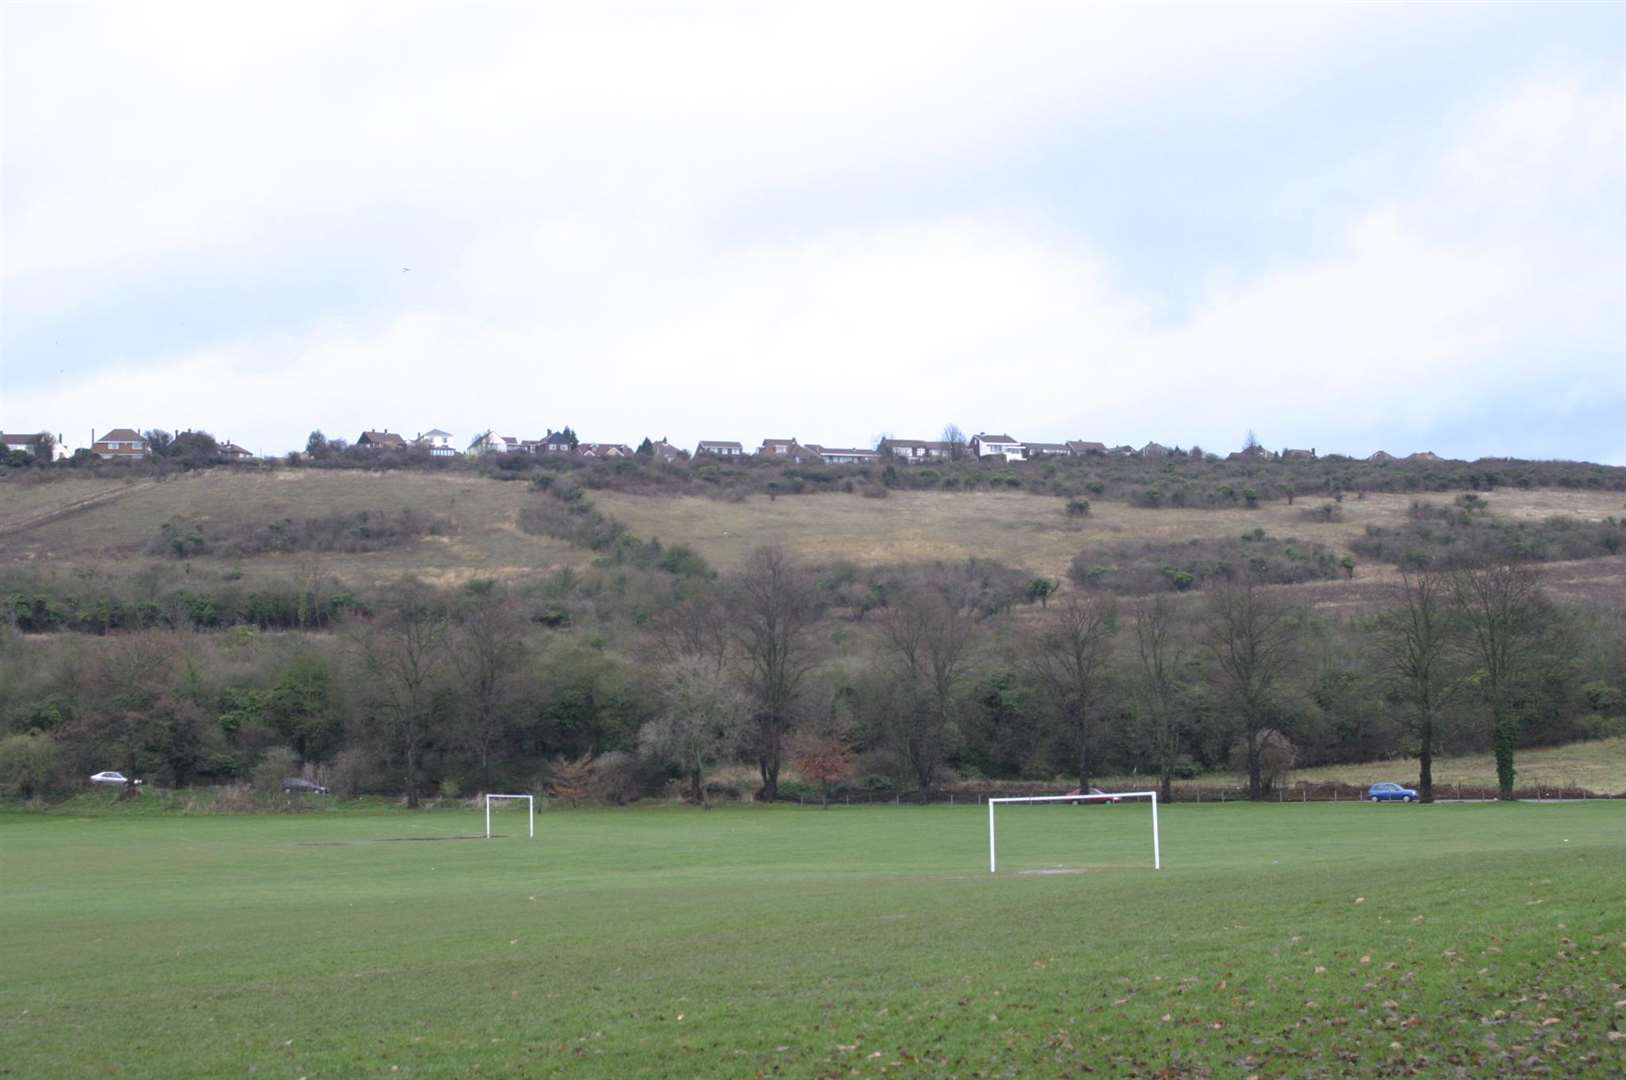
{"x": 1598, "y": 766}
{"x": 1319, "y": 940}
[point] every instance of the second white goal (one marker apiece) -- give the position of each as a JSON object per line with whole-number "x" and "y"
{"x": 1109, "y": 799}
{"x": 530, "y": 812}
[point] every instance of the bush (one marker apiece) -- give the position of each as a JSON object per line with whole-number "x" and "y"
{"x": 1179, "y": 566}
{"x": 274, "y": 765}
{"x": 797, "y": 791}
{"x": 30, "y": 766}
{"x": 1078, "y": 508}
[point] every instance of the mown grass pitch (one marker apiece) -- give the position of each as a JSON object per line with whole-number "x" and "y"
{"x": 1319, "y": 940}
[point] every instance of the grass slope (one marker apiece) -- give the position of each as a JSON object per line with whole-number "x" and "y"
{"x": 1306, "y": 941}
{"x": 487, "y": 541}
{"x": 84, "y": 522}
{"x": 1030, "y": 531}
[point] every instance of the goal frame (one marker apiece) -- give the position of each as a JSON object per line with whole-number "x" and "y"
{"x": 1157, "y": 851}
{"x": 530, "y": 804}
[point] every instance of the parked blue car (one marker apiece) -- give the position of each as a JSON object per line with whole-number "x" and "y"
{"x": 1390, "y": 793}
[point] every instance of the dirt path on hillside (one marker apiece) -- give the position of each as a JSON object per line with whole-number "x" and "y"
{"x": 76, "y": 506}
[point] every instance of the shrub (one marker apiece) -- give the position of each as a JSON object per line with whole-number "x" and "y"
{"x": 1078, "y": 508}
{"x": 30, "y": 766}
{"x": 1182, "y": 565}
{"x": 274, "y": 765}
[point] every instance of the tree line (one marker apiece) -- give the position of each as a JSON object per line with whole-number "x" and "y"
{"x": 620, "y": 683}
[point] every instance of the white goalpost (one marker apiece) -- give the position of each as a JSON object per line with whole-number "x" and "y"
{"x": 530, "y": 808}
{"x": 1157, "y": 855}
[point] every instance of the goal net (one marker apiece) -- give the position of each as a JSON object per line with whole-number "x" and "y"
{"x": 1061, "y": 832}
{"x": 511, "y": 802}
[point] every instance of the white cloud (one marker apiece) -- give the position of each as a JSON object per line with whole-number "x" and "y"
{"x": 578, "y": 171}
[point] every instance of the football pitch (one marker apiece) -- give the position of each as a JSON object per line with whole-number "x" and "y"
{"x": 1312, "y": 940}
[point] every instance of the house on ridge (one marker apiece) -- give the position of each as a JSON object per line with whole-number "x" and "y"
{"x": 437, "y": 442}
{"x": 603, "y": 450}
{"x": 556, "y": 442}
{"x": 380, "y": 440}
{"x": 489, "y": 442}
{"x": 665, "y": 451}
{"x": 120, "y": 444}
{"x": 1079, "y": 448}
{"x": 985, "y": 445}
{"x": 849, "y": 456}
{"x": 717, "y": 448}
{"x": 916, "y": 450}
{"x": 31, "y": 443}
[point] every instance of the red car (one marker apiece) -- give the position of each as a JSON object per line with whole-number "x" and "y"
{"x": 1094, "y": 795}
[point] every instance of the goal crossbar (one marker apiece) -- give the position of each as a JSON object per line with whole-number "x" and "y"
{"x": 530, "y": 807}
{"x": 1157, "y": 853}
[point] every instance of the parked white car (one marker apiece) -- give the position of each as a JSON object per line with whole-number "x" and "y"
{"x": 110, "y": 778}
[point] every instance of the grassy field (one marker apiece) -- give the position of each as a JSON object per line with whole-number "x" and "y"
{"x": 86, "y": 522}
{"x": 1030, "y": 531}
{"x": 1599, "y": 766}
{"x": 1320, "y": 940}
{"x": 42, "y": 525}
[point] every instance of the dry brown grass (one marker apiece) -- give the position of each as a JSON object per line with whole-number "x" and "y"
{"x": 487, "y": 540}
{"x": 1028, "y": 531}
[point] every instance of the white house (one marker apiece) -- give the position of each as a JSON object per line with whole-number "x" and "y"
{"x": 985, "y": 445}
{"x": 719, "y": 449}
{"x": 437, "y": 442}
{"x": 490, "y": 443}
{"x": 853, "y": 456}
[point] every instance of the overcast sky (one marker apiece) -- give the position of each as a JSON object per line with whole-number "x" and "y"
{"x": 1355, "y": 228}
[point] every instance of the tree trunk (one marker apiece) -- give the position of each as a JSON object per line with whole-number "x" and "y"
{"x": 1504, "y": 737}
{"x": 1256, "y": 789}
{"x": 768, "y": 768}
{"x": 1083, "y": 760}
{"x": 412, "y": 777}
{"x": 1425, "y": 764}
{"x": 1166, "y": 785}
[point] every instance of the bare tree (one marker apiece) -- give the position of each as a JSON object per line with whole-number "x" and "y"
{"x": 489, "y": 656}
{"x": 774, "y": 606}
{"x": 1507, "y": 620}
{"x": 956, "y": 441}
{"x": 1252, "y": 638}
{"x": 1068, "y": 657}
{"x": 1159, "y": 687}
{"x": 696, "y": 627}
{"x": 1416, "y": 640}
{"x": 400, "y": 654}
{"x": 700, "y": 720}
{"x": 930, "y": 631}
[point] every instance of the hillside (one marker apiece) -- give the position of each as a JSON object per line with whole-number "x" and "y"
{"x": 100, "y": 522}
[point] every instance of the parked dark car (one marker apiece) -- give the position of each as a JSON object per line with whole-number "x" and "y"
{"x": 308, "y": 787}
